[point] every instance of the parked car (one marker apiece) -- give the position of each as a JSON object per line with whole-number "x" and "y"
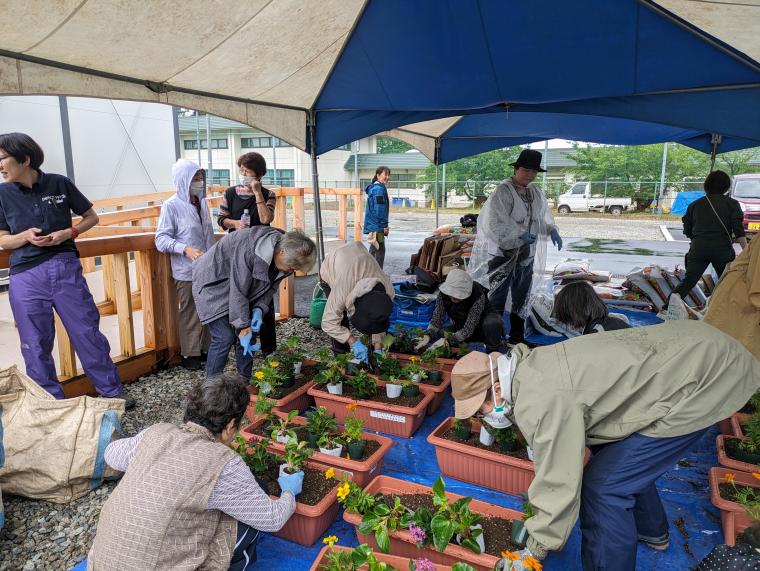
{"x": 580, "y": 199}
{"x": 746, "y": 190}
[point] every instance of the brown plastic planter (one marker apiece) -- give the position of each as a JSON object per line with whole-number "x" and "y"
{"x": 308, "y": 523}
{"x": 360, "y": 472}
{"x": 297, "y": 400}
{"x": 725, "y": 460}
{"x": 400, "y": 563}
{"x": 402, "y": 544}
{"x": 736, "y": 424}
{"x": 733, "y": 516}
{"x": 396, "y": 420}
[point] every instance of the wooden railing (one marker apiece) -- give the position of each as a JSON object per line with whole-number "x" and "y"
{"x": 121, "y": 233}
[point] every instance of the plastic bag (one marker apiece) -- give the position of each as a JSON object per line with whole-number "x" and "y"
{"x": 740, "y": 557}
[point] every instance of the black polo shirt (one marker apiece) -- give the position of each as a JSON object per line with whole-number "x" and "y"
{"x": 48, "y": 206}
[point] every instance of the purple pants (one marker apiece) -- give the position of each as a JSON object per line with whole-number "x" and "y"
{"x": 58, "y": 283}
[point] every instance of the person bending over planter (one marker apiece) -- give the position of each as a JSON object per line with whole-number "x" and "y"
{"x": 580, "y": 310}
{"x": 359, "y": 291}
{"x": 188, "y": 501}
{"x": 640, "y": 398}
{"x": 233, "y": 286}
{"x": 466, "y": 303}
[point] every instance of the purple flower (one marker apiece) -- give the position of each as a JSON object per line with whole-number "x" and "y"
{"x": 423, "y": 564}
{"x": 418, "y": 534}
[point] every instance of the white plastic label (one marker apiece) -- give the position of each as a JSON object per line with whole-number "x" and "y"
{"x": 386, "y": 416}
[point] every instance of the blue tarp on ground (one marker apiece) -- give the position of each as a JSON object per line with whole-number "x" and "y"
{"x": 683, "y": 199}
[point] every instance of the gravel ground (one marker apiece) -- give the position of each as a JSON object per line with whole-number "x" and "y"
{"x": 46, "y": 536}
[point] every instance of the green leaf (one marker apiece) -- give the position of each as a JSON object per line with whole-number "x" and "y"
{"x": 368, "y": 524}
{"x": 381, "y": 510}
{"x": 443, "y": 531}
{"x": 383, "y": 541}
{"x": 471, "y": 544}
{"x": 460, "y": 566}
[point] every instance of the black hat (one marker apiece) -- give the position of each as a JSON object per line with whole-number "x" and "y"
{"x": 372, "y": 312}
{"x": 529, "y": 159}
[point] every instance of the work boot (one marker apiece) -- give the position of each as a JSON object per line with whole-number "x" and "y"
{"x": 191, "y": 363}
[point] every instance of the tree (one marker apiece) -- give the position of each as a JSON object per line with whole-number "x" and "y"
{"x": 737, "y": 162}
{"x": 471, "y": 176}
{"x": 391, "y": 145}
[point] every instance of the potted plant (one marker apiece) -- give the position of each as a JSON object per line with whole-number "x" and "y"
{"x": 280, "y": 431}
{"x": 333, "y": 371}
{"x": 290, "y": 355}
{"x": 486, "y": 437}
{"x": 393, "y": 387}
{"x": 295, "y": 457}
{"x": 737, "y": 496}
{"x": 275, "y": 380}
{"x": 462, "y": 428}
{"x": 741, "y": 453}
{"x": 363, "y": 385}
{"x": 319, "y": 422}
{"x": 414, "y": 371}
{"x": 339, "y": 558}
{"x": 255, "y": 455}
{"x": 264, "y": 409}
{"x": 519, "y": 531}
{"x": 409, "y": 388}
{"x": 353, "y": 433}
{"x": 330, "y": 445}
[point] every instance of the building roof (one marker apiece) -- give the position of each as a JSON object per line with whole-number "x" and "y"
{"x": 413, "y": 160}
{"x": 188, "y": 124}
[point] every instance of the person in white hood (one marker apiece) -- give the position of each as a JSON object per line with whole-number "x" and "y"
{"x": 185, "y": 233}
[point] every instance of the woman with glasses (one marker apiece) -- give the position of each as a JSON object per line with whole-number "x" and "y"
{"x": 45, "y": 272}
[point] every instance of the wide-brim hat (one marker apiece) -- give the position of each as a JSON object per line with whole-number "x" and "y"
{"x": 529, "y": 159}
{"x": 458, "y": 284}
{"x": 470, "y": 382}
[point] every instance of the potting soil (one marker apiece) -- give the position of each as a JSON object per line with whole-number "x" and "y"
{"x": 474, "y": 441}
{"x": 370, "y": 447}
{"x": 315, "y": 485}
{"x": 683, "y": 489}
{"x": 401, "y": 400}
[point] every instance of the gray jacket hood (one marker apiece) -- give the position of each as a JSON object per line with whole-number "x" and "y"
{"x": 183, "y": 172}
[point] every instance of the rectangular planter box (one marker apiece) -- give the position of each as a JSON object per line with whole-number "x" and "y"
{"x": 733, "y": 517}
{"x": 400, "y": 563}
{"x": 309, "y": 523}
{"x": 360, "y": 472}
{"x": 297, "y": 400}
{"x": 396, "y": 420}
{"x": 736, "y": 424}
{"x": 725, "y": 460}
{"x": 402, "y": 544}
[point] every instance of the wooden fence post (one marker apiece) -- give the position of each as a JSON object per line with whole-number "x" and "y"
{"x": 119, "y": 264}
{"x": 342, "y": 218}
{"x": 66, "y": 356}
{"x": 171, "y": 306}
{"x": 152, "y": 299}
{"x": 106, "y": 264}
{"x": 358, "y": 215}
{"x": 298, "y": 218}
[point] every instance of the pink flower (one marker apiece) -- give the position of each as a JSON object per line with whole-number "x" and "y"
{"x": 417, "y": 533}
{"x": 423, "y": 564}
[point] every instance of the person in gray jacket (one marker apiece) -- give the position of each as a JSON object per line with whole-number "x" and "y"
{"x": 234, "y": 283}
{"x": 185, "y": 232}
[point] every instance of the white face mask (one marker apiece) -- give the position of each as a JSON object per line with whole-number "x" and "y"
{"x": 506, "y": 369}
{"x": 246, "y": 180}
{"x": 197, "y": 188}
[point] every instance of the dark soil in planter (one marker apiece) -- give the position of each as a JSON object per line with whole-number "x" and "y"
{"x": 727, "y": 491}
{"x": 497, "y": 532}
{"x": 474, "y": 440}
{"x": 369, "y": 449}
{"x": 409, "y": 402}
{"x": 315, "y": 485}
{"x": 432, "y": 383}
{"x": 735, "y": 453}
{"x": 307, "y": 375}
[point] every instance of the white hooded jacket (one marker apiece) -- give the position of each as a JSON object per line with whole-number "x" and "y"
{"x": 179, "y": 224}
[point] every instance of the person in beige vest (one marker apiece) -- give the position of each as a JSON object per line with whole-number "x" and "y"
{"x": 187, "y": 501}
{"x": 359, "y": 294}
{"x": 639, "y": 398}
{"x": 734, "y": 307}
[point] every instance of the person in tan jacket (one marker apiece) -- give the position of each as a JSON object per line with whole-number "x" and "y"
{"x": 640, "y": 398}
{"x": 734, "y": 307}
{"x": 359, "y": 294}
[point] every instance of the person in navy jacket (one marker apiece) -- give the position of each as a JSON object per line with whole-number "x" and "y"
{"x": 376, "y": 214}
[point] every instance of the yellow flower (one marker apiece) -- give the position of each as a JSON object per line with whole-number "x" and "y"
{"x": 510, "y": 555}
{"x": 531, "y": 563}
{"x": 330, "y": 540}
{"x": 730, "y": 477}
{"x": 352, "y": 406}
{"x": 259, "y": 375}
{"x": 756, "y": 475}
{"x": 275, "y": 364}
{"x": 413, "y": 359}
{"x": 343, "y": 490}
{"x": 330, "y": 473}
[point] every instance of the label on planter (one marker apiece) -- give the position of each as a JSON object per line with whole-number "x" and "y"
{"x": 387, "y": 416}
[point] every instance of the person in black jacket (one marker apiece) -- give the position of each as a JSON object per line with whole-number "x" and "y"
{"x": 466, "y": 302}
{"x": 577, "y": 307}
{"x": 714, "y": 223}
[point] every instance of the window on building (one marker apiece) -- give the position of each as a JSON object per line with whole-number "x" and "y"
{"x": 220, "y": 176}
{"x": 346, "y": 147}
{"x": 404, "y": 180}
{"x": 261, "y": 143}
{"x": 192, "y": 144}
{"x": 282, "y": 177}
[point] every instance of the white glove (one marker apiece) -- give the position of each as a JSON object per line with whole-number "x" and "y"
{"x": 440, "y": 343}
{"x": 421, "y": 342}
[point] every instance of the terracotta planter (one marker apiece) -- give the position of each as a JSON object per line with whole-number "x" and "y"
{"x": 439, "y": 391}
{"x": 482, "y": 467}
{"x": 400, "y": 563}
{"x": 297, "y": 400}
{"x": 402, "y": 544}
{"x": 733, "y": 517}
{"x": 391, "y": 419}
{"x": 725, "y": 460}
{"x": 736, "y": 424}
{"x": 309, "y": 523}
{"x": 360, "y": 472}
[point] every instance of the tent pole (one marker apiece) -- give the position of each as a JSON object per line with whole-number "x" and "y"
{"x": 662, "y": 176}
{"x": 210, "y": 176}
{"x": 437, "y": 198}
{"x": 546, "y": 165}
{"x": 715, "y": 139}
{"x": 315, "y": 189}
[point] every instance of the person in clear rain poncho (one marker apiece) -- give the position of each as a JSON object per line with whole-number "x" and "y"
{"x": 513, "y": 227}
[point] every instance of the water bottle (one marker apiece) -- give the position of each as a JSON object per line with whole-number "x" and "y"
{"x": 246, "y": 218}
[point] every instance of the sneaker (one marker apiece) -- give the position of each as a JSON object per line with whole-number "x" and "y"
{"x": 191, "y": 363}
{"x": 660, "y": 544}
{"x": 129, "y": 402}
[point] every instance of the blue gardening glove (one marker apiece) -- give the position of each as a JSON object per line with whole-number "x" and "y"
{"x": 556, "y": 239}
{"x": 528, "y": 238}
{"x": 359, "y": 350}
{"x": 247, "y": 342}
{"x": 257, "y": 318}
{"x": 291, "y": 483}
{"x": 378, "y": 352}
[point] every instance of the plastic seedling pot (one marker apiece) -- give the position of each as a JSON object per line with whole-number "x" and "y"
{"x": 486, "y": 438}
{"x": 393, "y": 391}
{"x": 336, "y": 389}
{"x": 332, "y": 451}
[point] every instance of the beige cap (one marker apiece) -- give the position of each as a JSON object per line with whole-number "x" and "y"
{"x": 471, "y": 381}
{"x": 458, "y": 284}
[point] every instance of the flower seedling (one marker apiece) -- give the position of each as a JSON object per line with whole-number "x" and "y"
{"x": 355, "y": 499}
{"x": 296, "y": 454}
{"x": 462, "y": 428}
{"x": 352, "y": 426}
{"x": 319, "y": 422}
{"x": 747, "y": 496}
{"x": 414, "y": 369}
{"x": 454, "y": 520}
{"x": 281, "y": 429}
{"x": 329, "y": 442}
{"x": 334, "y": 368}
{"x": 264, "y": 409}
{"x": 751, "y": 442}
{"x": 361, "y": 557}
{"x": 364, "y": 386}
{"x": 269, "y": 378}
{"x": 382, "y": 520}
{"x": 254, "y": 454}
